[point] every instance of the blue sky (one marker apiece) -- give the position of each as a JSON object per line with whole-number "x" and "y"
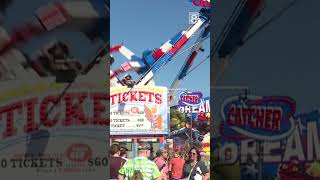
{"x": 283, "y": 59}
{"x": 144, "y": 24}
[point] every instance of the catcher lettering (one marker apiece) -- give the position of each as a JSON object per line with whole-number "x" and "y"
{"x": 136, "y": 96}
{"x": 33, "y": 112}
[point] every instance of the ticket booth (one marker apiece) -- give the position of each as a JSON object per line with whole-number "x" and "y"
{"x": 132, "y": 143}
{"x": 142, "y": 118}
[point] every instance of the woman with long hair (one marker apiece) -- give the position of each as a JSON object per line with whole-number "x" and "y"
{"x": 194, "y": 168}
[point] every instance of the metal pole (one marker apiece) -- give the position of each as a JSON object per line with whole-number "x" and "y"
{"x": 260, "y": 159}
{"x": 191, "y": 124}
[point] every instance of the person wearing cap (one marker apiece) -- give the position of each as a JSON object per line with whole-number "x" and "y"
{"x": 161, "y": 162}
{"x": 142, "y": 164}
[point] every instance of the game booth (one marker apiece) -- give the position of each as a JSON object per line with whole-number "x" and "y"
{"x": 190, "y": 123}
{"x": 138, "y": 115}
{"x": 273, "y": 141}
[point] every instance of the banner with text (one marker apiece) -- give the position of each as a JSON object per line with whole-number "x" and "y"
{"x": 138, "y": 111}
{"x": 49, "y": 135}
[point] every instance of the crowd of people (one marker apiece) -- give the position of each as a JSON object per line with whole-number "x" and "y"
{"x": 165, "y": 166}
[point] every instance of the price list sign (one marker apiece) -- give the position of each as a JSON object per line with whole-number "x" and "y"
{"x": 138, "y": 111}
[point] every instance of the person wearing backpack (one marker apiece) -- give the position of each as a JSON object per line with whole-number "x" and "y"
{"x": 140, "y": 168}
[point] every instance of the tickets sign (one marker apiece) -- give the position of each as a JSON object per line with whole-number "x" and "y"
{"x": 46, "y": 134}
{"x": 262, "y": 118}
{"x": 138, "y": 111}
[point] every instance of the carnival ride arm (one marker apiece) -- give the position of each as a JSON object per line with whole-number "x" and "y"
{"x": 190, "y": 59}
{"x": 167, "y": 51}
{"x": 56, "y": 15}
{"x": 134, "y": 63}
{"x": 152, "y": 61}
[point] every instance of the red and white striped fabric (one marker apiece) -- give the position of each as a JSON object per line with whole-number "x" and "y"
{"x": 127, "y": 66}
{"x": 123, "y": 50}
{"x": 52, "y": 15}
